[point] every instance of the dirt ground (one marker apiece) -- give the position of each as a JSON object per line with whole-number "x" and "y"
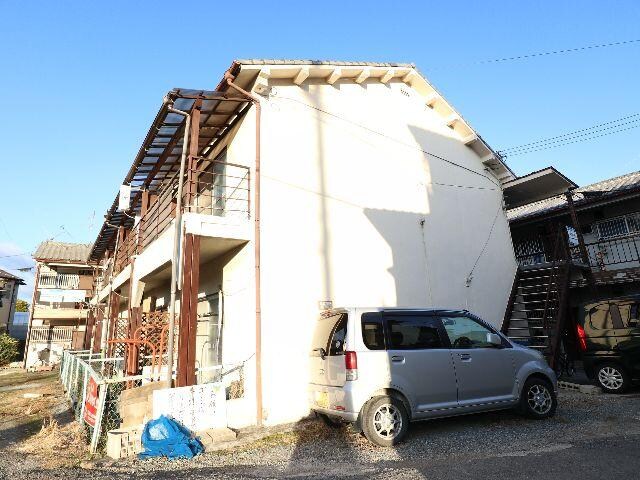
{"x": 35, "y": 420}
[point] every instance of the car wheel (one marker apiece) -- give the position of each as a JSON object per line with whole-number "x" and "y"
{"x": 330, "y": 421}
{"x": 612, "y": 378}
{"x": 538, "y": 400}
{"x": 385, "y": 421}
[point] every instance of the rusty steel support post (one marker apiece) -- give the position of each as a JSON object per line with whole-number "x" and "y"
{"x": 98, "y": 330}
{"x": 256, "y": 240}
{"x": 581, "y": 245}
{"x": 186, "y": 374}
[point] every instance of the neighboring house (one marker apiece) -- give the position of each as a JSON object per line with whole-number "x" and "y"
{"x": 63, "y": 284}
{"x": 8, "y": 295}
{"x": 571, "y": 249}
{"x": 19, "y": 325}
{"x": 370, "y": 190}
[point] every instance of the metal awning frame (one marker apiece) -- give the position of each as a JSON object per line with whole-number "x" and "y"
{"x": 158, "y": 159}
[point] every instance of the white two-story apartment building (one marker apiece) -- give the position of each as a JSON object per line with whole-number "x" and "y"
{"x": 63, "y": 284}
{"x": 307, "y": 185}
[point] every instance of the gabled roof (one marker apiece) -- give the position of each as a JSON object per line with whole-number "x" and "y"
{"x": 9, "y": 276}
{"x": 605, "y": 189}
{"x": 64, "y": 252}
{"x": 255, "y": 73}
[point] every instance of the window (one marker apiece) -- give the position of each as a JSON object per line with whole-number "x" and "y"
{"x": 413, "y": 332}
{"x": 372, "y": 331}
{"x": 324, "y": 329}
{"x": 336, "y": 346}
{"x": 599, "y": 318}
{"x": 464, "y": 332}
{"x": 630, "y": 313}
{"x": 619, "y": 227}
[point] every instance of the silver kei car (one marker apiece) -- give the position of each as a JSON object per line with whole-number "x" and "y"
{"x": 381, "y": 368}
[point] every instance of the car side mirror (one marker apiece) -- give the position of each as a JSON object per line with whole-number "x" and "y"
{"x": 319, "y": 352}
{"x": 494, "y": 339}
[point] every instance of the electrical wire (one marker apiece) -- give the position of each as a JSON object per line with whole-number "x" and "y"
{"x": 364, "y": 127}
{"x": 635, "y": 116}
{"x": 569, "y": 142}
{"x": 537, "y": 54}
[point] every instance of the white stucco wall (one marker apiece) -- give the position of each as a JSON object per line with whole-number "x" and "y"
{"x": 354, "y": 211}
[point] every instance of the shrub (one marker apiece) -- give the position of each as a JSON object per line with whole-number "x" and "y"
{"x": 8, "y": 349}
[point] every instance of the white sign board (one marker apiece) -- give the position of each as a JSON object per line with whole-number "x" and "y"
{"x": 59, "y": 295}
{"x": 198, "y": 407}
{"x": 124, "y": 199}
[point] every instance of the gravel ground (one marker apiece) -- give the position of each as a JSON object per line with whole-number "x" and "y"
{"x": 313, "y": 451}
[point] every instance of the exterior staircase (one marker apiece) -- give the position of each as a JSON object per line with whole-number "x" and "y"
{"x": 537, "y": 309}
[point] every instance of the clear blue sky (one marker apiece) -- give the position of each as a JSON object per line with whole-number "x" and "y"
{"x": 81, "y": 82}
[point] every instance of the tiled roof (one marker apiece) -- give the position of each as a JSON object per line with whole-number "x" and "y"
{"x": 70, "y": 252}
{"x": 8, "y": 275}
{"x": 602, "y": 189}
{"x": 266, "y": 61}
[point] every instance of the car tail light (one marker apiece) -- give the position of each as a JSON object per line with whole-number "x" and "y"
{"x": 351, "y": 364}
{"x": 582, "y": 338}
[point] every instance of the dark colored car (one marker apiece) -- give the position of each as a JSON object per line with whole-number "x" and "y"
{"x": 608, "y": 334}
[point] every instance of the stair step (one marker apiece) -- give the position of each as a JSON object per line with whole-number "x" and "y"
{"x": 536, "y": 286}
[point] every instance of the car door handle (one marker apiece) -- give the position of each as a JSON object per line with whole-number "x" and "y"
{"x": 322, "y": 371}
{"x": 465, "y": 357}
{"x": 397, "y": 359}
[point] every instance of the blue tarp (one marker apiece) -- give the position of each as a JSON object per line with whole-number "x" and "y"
{"x": 164, "y": 437}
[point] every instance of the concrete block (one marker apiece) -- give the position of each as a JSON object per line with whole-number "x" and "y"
{"x": 590, "y": 389}
{"x": 215, "y": 436}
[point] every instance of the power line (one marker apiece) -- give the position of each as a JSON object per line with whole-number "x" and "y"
{"x": 550, "y": 146}
{"x": 558, "y": 52}
{"x": 635, "y": 116}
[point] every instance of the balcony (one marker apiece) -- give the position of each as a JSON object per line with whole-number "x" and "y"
{"x": 610, "y": 260}
{"x": 212, "y": 188}
{"x": 59, "y": 280}
{"x": 59, "y": 335}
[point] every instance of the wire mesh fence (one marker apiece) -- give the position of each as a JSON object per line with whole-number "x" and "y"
{"x": 94, "y": 384}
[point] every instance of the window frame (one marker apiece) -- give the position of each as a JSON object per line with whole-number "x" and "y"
{"x": 444, "y": 339}
{"x": 626, "y": 218}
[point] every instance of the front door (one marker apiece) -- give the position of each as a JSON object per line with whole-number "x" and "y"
{"x": 420, "y": 362}
{"x": 485, "y": 373}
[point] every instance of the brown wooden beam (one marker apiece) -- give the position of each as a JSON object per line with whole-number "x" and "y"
{"x": 186, "y": 374}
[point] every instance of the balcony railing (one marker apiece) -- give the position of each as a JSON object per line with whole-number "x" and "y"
{"x": 603, "y": 255}
{"x": 126, "y": 249}
{"x": 60, "y": 335}
{"x": 61, "y": 280}
{"x": 211, "y": 187}
{"x": 614, "y": 253}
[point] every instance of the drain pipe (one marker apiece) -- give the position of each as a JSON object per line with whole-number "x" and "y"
{"x": 256, "y": 215}
{"x": 177, "y": 235}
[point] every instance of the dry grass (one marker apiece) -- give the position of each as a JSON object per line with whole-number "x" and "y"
{"x": 13, "y": 405}
{"x": 57, "y": 446}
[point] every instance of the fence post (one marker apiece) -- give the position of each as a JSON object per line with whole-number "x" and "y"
{"x": 84, "y": 394}
{"x": 102, "y": 397}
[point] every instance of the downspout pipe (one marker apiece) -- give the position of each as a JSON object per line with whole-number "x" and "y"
{"x": 177, "y": 236}
{"x": 256, "y": 215}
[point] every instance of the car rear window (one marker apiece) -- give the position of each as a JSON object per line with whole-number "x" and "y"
{"x": 324, "y": 328}
{"x": 372, "y": 331}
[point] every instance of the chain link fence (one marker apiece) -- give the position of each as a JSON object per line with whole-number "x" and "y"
{"x": 94, "y": 385}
